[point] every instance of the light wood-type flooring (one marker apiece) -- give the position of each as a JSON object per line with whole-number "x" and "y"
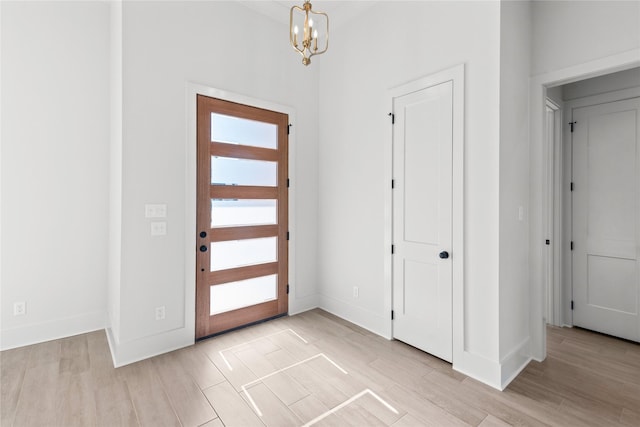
{"x": 314, "y": 369}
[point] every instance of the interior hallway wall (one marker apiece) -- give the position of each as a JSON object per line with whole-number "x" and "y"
{"x": 390, "y": 46}
{"x": 55, "y": 145}
{"x": 515, "y": 64}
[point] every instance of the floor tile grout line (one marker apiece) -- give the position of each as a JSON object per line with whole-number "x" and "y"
{"x": 254, "y": 340}
{"x": 349, "y": 401}
{"x": 261, "y": 379}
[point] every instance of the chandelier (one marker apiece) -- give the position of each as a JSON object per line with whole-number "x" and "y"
{"x": 308, "y": 29}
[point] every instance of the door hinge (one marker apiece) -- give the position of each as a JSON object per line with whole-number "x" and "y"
{"x": 571, "y": 304}
{"x": 393, "y": 249}
{"x": 393, "y": 183}
{"x": 289, "y": 128}
{"x": 571, "y": 245}
{"x": 287, "y": 289}
{"x": 393, "y": 118}
{"x": 547, "y": 242}
{"x": 571, "y": 124}
{"x": 288, "y": 182}
{"x": 287, "y": 235}
{"x": 571, "y": 186}
{"x": 391, "y": 314}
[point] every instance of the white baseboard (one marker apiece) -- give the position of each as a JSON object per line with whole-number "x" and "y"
{"x": 493, "y": 373}
{"x": 302, "y": 304}
{"x": 514, "y": 362}
{"x": 366, "y": 319}
{"x": 35, "y": 333}
{"x": 478, "y": 367}
{"x": 124, "y": 353}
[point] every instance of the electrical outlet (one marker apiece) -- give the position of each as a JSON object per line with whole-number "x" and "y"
{"x": 155, "y": 211}
{"x": 356, "y": 292}
{"x": 160, "y": 313}
{"x": 158, "y": 228}
{"x": 19, "y": 308}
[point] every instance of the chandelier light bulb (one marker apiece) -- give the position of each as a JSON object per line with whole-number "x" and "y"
{"x": 295, "y": 30}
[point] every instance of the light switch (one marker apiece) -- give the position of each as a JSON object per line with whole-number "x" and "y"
{"x": 158, "y": 228}
{"x": 155, "y": 211}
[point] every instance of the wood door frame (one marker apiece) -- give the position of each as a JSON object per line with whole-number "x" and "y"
{"x": 537, "y": 166}
{"x": 455, "y": 74}
{"x": 190, "y": 191}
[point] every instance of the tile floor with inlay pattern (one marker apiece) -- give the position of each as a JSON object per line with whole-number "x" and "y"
{"x": 314, "y": 369}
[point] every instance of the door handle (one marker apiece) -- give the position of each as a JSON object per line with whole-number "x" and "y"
{"x": 203, "y": 248}
{"x": 444, "y": 255}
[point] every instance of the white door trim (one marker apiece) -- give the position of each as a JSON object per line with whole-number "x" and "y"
{"x": 192, "y": 90}
{"x": 537, "y": 95}
{"x": 553, "y": 209}
{"x": 455, "y": 74}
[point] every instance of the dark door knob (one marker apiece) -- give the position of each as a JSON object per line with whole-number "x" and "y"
{"x": 203, "y": 248}
{"x": 444, "y": 254}
{"x": 203, "y": 234}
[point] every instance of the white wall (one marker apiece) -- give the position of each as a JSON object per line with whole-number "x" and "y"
{"x": 223, "y": 45}
{"x": 567, "y": 33}
{"x": 91, "y": 66}
{"x": 55, "y": 146}
{"x": 114, "y": 266}
{"x": 389, "y": 46}
{"x": 515, "y": 42}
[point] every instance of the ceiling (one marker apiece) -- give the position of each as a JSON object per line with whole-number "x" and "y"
{"x": 340, "y": 12}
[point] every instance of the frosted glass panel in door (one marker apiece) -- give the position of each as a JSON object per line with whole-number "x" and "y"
{"x": 230, "y": 171}
{"x": 235, "y": 130}
{"x": 243, "y": 293}
{"x": 242, "y": 253}
{"x": 242, "y": 212}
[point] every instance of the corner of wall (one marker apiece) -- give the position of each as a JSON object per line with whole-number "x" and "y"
{"x": 496, "y": 374}
{"x": 366, "y": 319}
{"x": 124, "y": 353}
{"x": 302, "y": 304}
{"x": 514, "y": 362}
{"x": 478, "y": 367}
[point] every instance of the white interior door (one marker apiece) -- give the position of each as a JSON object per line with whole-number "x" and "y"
{"x": 422, "y": 234}
{"x": 606, "y": 218}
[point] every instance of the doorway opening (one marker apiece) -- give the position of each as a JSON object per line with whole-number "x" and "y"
{"x": 242, "y": 215}
{"x": 539, "y": 89}
{"x": 584, "y": 209}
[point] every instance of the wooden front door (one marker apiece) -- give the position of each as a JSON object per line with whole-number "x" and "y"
{"x": 242, "y": 250}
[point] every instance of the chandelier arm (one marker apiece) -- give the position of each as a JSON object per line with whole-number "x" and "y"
{"x": 296, "y": 48}
{"x": 306, "y": 50}
{"x": 326, "y": 46}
